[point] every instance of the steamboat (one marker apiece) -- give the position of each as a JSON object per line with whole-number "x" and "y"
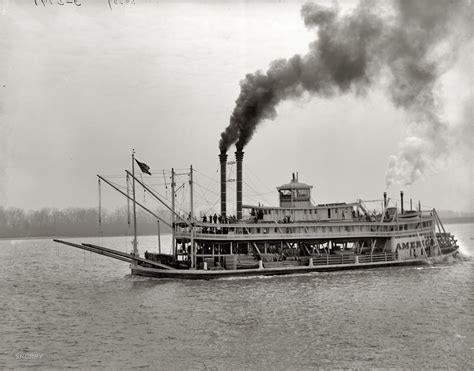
{"x": 297, "y": 236}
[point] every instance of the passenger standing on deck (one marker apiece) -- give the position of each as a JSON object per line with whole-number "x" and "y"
{"x": 215, "y": 218}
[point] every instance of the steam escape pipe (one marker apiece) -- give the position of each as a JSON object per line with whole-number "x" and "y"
{"x": 223, "y": 161}
{"x": 239, "y": 156}
{"x": 401, "y": 202}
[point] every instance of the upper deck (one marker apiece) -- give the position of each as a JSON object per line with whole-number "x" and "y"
{"x": 262, "y": 230}
{"x": 297, "y": 218}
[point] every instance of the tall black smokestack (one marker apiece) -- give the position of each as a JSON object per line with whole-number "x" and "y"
{"x": 239, "y": 156}
{"x": 223, "y": 161}
{"x": 385, "y": 200}
{"x": 401, "y": 201}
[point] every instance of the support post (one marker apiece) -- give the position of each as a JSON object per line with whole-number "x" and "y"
{"x": 173, "y": 217}
{"x": 191, "y": 216}
{"x": 100, "y": 209}
{"x": 191, "y": 195}
{"x": 372, "y": 247}
{"x": 192, "y": 250}
{"x": 135, "y": 243}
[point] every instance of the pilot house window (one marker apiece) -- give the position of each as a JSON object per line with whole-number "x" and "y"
{"x": 285, "y": 194}
{"x": 302, "y": 193}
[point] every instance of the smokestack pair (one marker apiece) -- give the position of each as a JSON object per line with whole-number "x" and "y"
{"x": 239, "y": 156}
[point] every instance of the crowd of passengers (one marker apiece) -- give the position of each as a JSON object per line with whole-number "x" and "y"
{"x": 219, "y": 219}
{"x": 258, "y": 215}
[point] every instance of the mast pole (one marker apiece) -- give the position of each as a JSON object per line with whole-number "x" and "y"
{"x": 135, "y": 249}
{"x": 191, "y": 193}
{"x": 191, "y": 214}
{"x": 173, "y": 218}
{"x": 100, "y": 209}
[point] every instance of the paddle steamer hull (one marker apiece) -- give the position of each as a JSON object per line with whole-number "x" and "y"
{"x": 275, "y": 271}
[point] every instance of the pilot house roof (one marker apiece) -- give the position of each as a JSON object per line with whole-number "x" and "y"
{"x": 294, "y": 184}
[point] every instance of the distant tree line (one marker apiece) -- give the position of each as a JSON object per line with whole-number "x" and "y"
{"x": 75, "y": 222}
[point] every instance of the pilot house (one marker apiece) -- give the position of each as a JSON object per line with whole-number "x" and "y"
{"x": 296, "y": 205}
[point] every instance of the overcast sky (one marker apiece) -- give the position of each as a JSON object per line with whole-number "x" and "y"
{"x": 81, "y": 86}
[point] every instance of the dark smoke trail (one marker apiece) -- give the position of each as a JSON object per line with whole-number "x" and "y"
{"x": 413, "y": 42}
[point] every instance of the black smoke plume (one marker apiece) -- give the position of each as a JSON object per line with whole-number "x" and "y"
{"x": 411, "y": 42}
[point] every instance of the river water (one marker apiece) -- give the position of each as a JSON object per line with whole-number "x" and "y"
{"x": 64, "y": 308}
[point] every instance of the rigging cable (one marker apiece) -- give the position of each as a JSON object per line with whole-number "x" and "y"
{"x": 166, "y": 185}
{"x": 203, "y": 195}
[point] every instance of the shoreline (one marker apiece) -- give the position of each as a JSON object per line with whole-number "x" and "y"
{"x": 60, "y": 236}
{"x": 447, "y": 221}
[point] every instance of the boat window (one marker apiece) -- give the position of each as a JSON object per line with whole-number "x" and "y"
{"x": 285, "y": 194}
{"x": 302, "y": 192}
{"x": 329, "y": 213}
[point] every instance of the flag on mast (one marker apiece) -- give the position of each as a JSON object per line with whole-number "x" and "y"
{"x": 143, "y": 167}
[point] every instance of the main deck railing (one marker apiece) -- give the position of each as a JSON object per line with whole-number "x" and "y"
{"x": 305, "y": 260}
{"x": 350, "y": 258}
{"x": 290, "y": 231}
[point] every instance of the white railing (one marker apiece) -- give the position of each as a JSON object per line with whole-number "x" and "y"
{"x": 304, "y": 230}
